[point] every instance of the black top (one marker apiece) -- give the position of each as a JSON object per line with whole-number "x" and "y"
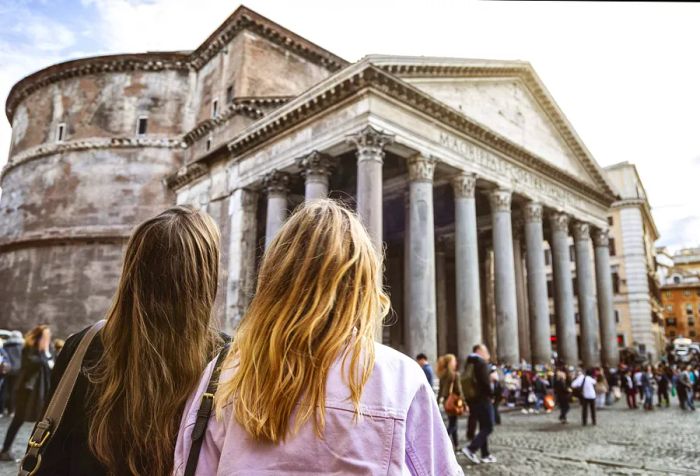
{"x": 481, "y": 375}
{"x": 68, "y": 453}
{"x": 33, "y": 385}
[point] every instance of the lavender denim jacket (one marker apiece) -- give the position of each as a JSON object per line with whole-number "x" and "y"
{"x": 401, "y": 432}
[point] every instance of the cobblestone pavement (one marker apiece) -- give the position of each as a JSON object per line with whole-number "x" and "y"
{"x": 625, "y": 442}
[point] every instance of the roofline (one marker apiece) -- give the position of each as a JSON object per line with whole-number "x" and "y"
{"x": 363, "y": 75}
{"x": 241, "y": 19}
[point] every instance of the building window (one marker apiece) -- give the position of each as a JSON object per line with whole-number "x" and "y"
{"x": 610, "y": 221}
{"x": 671, "y": 321}
{"x": 611, "y": 245}
{"x": 617, "y": 316}
{"x": 669, "y": 308}
{"x": 676, "y": 280}
{"x": 691, "y": 333}
{"x": 668, "y": 294}
{"x": 686, "y": 293}
{"x": 574, "y": 283}
{"x": 689, "y": 309}
{"x": 229, "y": 94}
{"x": 572, "y": 253}
{"x": 691, "y": 322}
{"x": 552, "y": 318}
{"x": 142, "y": 126}
{"x": 215, "y": 108}
{"x": 548, "y": 257}
{"x": 60, "y": 132}
{"x": 620, "y": 340}
{"x": 577, "y": 317}
{"x": 672, "y": 333}
{"x": 550, "y": 288}
{"x": 616, "y": 282}
{"x": 208, "y": 144}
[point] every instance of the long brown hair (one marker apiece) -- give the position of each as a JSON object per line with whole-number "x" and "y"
{"x": 157, "y": 341}
{"x": 32, "y": 338}
{"x": 319, "y": 296}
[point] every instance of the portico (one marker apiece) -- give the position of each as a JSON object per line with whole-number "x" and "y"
{"x": 437, "y": 187}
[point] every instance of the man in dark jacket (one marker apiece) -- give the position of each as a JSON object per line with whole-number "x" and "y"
{"x": 476, "y": 385}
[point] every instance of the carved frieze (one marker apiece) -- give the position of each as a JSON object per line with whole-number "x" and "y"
{"x": 500, "y": 200}
{"x": 421, "y": 168}
{"x": 464, "y": 185}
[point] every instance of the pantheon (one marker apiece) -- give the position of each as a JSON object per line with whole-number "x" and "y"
{"x": 463, "y": 171}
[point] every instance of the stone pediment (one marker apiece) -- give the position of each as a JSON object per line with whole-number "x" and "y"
{"x": 506, "y": 97}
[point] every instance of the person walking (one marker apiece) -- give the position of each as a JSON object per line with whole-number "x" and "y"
{"x": 476, "y": 385}
{"x": 13, "y": 347}
{"x": 586, "y": 384}
{"x": 32, "y": 385}
{"x": 601, "y": 390}
{"x": 648, "y": 388}
{"x": 539, "y": 387}
{"x": 125, "y": 409}
{"x": 450, "y": 387}
{"x": 685, "y": 382}
{"x": 630, "y": 390}
{"x": 562, "y": 391}
{"x": 422, "y": 360}
{"x": 680, "y": 388}
{"x": 305, "y": 387}
{"x": 663, "y": 382}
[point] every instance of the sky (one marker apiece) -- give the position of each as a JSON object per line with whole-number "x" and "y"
{"x": 627, "y": 75}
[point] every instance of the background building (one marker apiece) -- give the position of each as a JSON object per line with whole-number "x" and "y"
{"x": 638, "y": 309}
{"x": 680, "y": 292}
{"x": 465, "y": 171}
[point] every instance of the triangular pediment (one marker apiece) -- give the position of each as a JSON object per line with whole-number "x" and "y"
{"x": 506, "y": 106}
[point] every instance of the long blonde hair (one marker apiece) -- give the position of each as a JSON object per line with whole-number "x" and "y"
{"x": 443, "y": 364}
{"x": 319, "y": 297}
{"x": 157, "y": 341}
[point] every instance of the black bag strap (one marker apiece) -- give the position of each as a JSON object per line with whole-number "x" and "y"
{"x": 205, "y": 407}
{"x": 47, "y": 426}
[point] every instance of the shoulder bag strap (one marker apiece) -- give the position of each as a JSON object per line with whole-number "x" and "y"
{"x": 46, "y": 427}
{"x": 205, "y": 407}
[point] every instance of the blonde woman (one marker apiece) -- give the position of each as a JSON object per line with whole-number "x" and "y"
{"x": 305, "y": 388}
{"x": 124, "y": 417}
{"x": 449, "y": 384}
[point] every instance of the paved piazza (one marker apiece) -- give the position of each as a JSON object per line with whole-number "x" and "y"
{"x": 625, "y": 442}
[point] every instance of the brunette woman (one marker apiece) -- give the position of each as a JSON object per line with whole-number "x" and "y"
{"x": 32, "y": 386}
{"x": 305, "y": 388}
{"x": 124, "y": 412}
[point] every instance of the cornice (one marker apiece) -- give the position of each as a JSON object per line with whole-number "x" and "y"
{"x": 186, "y": 174}
{"x": 81, "y": 234}
{"x": 241, "y": 19}
{"x": 525, "y": 73}
{"x": 92, "y": 143}
{"x": 369, "y": 76}
{"x": 204, "y": 127}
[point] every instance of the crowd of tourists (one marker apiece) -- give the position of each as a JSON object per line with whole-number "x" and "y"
{"x": 543, "y": 388}
{"x": 303, "y": 387}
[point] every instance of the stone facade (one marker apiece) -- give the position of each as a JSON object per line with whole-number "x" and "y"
{"x": 463, "y": 171}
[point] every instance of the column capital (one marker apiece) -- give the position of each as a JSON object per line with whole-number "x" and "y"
{"x": 464, "y": 185}
{"x": 500, "y": 200}
{"x": 533, "y": 212}
{"x": 315, "y": 163}
{"x": 582, "y": 231}
{"x": 421, "y": 168}
{"x": 370, "y": 143}
{"x": 276, "y": 182}
{"x": 559, "y": 222}
{"x": 601, "y": 237}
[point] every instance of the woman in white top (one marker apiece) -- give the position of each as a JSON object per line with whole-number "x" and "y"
{"x": 587, "y": 385}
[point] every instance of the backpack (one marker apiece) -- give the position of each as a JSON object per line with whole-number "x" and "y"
{"x": 469, "y": 387}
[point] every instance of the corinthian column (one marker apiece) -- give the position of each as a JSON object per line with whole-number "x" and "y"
{"x": 504, "y": 266}
{"x": 422, "y": 326}
{"x": 370, "y": 145}
{"x": 316, "y": 169}
{"x": 468, "y": 296}
{"x": 567, "y": 348}
{"x": 608, "y": 338}
{"x": 540, "y": 345}
{"x": 590, "y": 353}
{"x": 277, "y": 187}
{"x": 521, "y": 294}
